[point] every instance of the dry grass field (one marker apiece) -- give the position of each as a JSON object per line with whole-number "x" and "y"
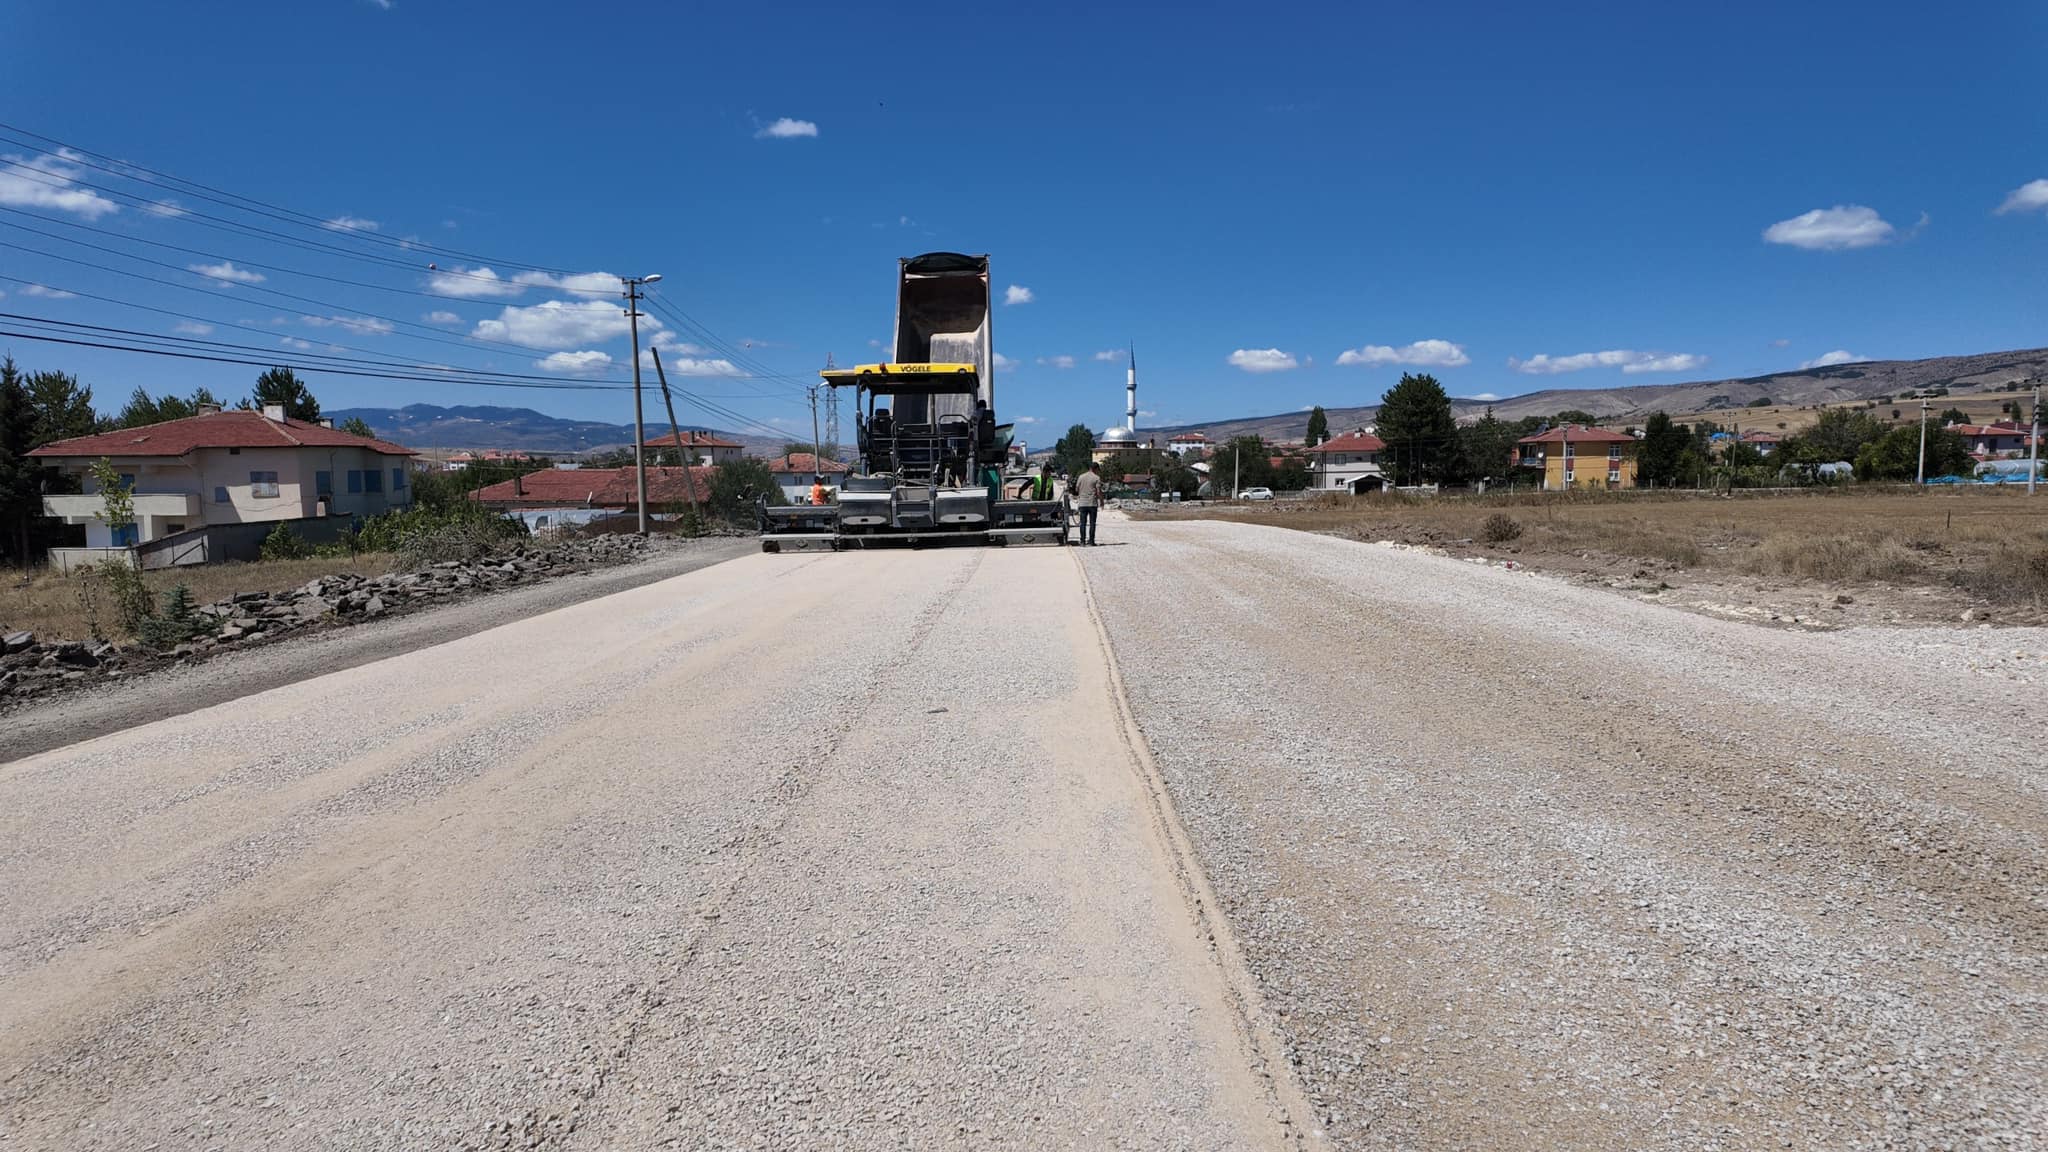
{"x": 1987, "y": 546}
{"x": 50, "y": 606}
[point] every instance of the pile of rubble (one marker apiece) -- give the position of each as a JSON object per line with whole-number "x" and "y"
{"x": 29, "y": 666}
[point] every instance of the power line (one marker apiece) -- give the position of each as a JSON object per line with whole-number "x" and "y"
{"x": 127, "y": 170}
{"x": 287, "y": 362}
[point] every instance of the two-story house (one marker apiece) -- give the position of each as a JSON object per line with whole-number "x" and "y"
{"x": 197, "y": 482}
{"x": 1349, "y": 463}
{"x": 702, "y": 447}
{"x": 1575, "y": 456}
{"x": 1989, "y": 441}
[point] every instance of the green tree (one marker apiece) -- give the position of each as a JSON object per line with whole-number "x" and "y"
{"x": 357, "y": 426}
{"x": 1760, "y": 402}
{"x": 1663, "y": 444}
{"x": 1421, "y": 436}
{"x": 283, "y": 386}
{"x": 21, "y": 487}
{"x": 117, "y": 496}
{"x": 737, "y": 484}
{"x": 1242, "y": 462}
{"x": 1318, "y": 427}
{"x": 1075, "y": 450}
{"x": 1488, "y": 447}
{"x": 1952, "y": 416}
{"x": 63, "y": 407}
{"x": 1171, "y": 474}
{"x": 1896, "y": 455}
{"x": 1577, "y": 416}
{"x": 1840, "y": 434}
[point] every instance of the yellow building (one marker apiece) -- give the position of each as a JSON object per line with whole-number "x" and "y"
{"x": 1575, "y": 456}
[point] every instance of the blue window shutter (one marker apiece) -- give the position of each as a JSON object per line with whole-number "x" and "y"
{"x": 220, "y": 495}
{"x": 323, "y": 483}
{"x": 355, "y": 481}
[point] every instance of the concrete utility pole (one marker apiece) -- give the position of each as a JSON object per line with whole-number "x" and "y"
{"x": 817, "y": 453}
{"x": 1922, "y": 477}
{"x": 683, "y": 455}
{"x": 633, "y": 284}
{"x": 2034, "y": 442}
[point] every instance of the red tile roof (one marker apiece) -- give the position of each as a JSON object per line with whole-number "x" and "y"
{"x": 691, "y": 440}
{"x": 236, "y": 429}
{"x": 595, "y": 487}
{"x": 1762, "y": 437}
{"x": 1350, "y": 442}
{"x": 1189, "y": 437}
{"x": 2002, "y": 428}
{"x": 1578, "y": 434}
{"x": 806, "y": 464}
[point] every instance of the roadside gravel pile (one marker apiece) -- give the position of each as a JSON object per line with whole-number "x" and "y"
{"x": 1521, "y": 864}
{"x": 29, "y": 667}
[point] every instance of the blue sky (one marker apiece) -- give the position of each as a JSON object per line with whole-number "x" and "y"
{"x": 1564, "y": 196}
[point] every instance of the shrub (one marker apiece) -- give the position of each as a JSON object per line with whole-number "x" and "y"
{"x": 1500, "y": 528}
{"x": 118, "y": 584}
{"x": 284, "y": 543}
{"x": 178, "y": 622}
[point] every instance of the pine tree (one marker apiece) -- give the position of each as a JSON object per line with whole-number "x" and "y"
{"x": 283, "y": 386}
{"x": 1421, "y": 435}
{"x": 21, "y": 487}
{"x": 1318, "y": 427}
{"x": 63, "y": 407}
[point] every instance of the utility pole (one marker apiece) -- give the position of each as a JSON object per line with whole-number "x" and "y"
{"x": 2034, "y": 440}
{"x": 1922, "y": 476}
{"x": 633, "y": 285}
{"x": 817, "y": 456}
{"x": 682, "y": 455}
{"x": 832, "y": 412}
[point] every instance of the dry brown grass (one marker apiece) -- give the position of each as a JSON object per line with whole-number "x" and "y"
{"x": 1992, "y": 542}
{"x": 49, "y": 605}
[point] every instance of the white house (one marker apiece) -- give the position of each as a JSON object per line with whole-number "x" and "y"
{"x": 703, "y": 447}
{"x": 196, "y": 480}
{"x": 1349, "y": 463}
{"x": 1187, "y": 442}
{"x": 793, "y": 475}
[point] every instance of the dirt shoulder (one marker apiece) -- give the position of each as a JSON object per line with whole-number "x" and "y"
{"x": 178, "y": 688}
{"x": 1806, "y": 560}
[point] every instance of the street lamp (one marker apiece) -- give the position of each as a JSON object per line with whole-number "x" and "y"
{"x": 633, "y": 285}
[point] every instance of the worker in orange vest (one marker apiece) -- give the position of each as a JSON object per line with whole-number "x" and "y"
{"x": 818, "y": 493}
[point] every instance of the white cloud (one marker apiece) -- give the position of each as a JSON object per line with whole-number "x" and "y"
{"x": 2029, "y": 197}
{"x": 1263, "y": 360}
{"x": 575, "y": 283}
{"x": 559, "y": 324}
{"x": 47, "y": 292}
{"x": 48, "y": 182}
{"x": 476, "y": 283}
{"x": 1830, "y": 359}
{"x": 1018, "y": 294}
{"x": 383, "y": 5}
{"x": 1675, "y": 362}
{"x": 192, "y": 328}
{"x": 1030, "y": 420}
{"x": 689, "y": 366}
{"x": 1781, "y": 342}
{"x": 1111, "y": 355}
{"x": 1622, "y": 358}
{"x": 226, "y": 270}
{"x": 672, "y": 341}
{"x": 296, "y": 344}
{"x": 573, "y": 363}
{"x": 878, "y": 344}
{"x": 365, "y": 325}
{"x": 1832, "y": 229}
{"x": 786, "y": 129}
{"x": 439, "y": 317}
{"x": 168, "y": 209}
{"x": 1056, "y": 361}
{"x": 1003, "y": 363}
{"x": 1484, "y": 396}
{"x": 351, "y": 224}
{"x": 1427, "y": 353}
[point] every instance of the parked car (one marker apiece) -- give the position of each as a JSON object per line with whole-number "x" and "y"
{"x": 1256, "y": 494}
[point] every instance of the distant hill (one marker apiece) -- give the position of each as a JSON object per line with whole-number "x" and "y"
{"x": 473, "y": 426}
{"x": 1835, "y": 384}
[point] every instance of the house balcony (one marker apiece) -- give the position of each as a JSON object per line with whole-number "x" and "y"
{"x": 89, "y": 508}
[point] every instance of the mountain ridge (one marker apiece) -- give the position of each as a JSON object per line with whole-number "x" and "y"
{"x": 1830, "y": 384}
{"x": 482, "y": 426}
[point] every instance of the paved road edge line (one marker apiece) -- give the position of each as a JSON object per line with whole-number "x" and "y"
{"x": 1266, "y": 1050}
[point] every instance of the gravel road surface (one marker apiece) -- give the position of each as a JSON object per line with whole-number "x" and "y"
{"x": 792, "y": 852}
{"x": 111, "y": 707}
{"x": 1520, "y": 864}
